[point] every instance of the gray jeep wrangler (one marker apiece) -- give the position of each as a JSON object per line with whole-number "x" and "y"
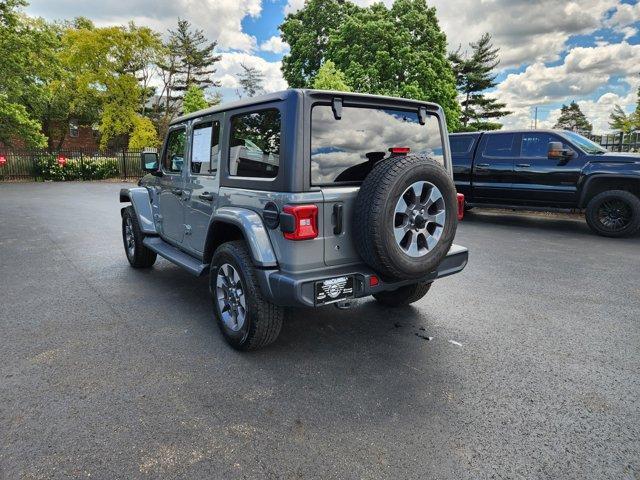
{"x": 299, "y": 198}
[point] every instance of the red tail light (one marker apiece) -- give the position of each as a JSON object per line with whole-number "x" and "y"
{"x": 460, "y": 206}
{"x": 399, "y": 150}
{"x": 305, "y": 222}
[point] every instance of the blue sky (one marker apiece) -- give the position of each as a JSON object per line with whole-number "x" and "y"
{"x": 552, "y": 51}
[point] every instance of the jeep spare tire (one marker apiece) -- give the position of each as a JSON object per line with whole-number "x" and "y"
{"x": 405, "y": 217}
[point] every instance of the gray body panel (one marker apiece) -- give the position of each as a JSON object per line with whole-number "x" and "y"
{"x": 254, "y": 232}
{"x": 139, "y": 198}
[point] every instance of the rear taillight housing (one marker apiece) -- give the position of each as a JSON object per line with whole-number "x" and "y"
{"x": 305, "y": 222}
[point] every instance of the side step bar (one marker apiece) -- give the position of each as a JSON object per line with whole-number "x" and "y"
{"x": 171, "y": 253}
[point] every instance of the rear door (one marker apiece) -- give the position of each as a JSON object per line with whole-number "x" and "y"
{"x": 171, "y": 196}
{"x": 492, "y": 175}
{"x": 343, "y": 152}
{"x": 201, "y": 188}
{"x": 462, "y": 149}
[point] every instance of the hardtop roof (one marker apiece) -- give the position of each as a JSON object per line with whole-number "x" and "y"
{"x": 285, "y": 94}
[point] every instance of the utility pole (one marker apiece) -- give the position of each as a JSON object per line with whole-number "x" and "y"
{"x": 536, "y": 120}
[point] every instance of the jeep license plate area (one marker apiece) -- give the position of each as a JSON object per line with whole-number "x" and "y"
{"x": 333, "y": 290}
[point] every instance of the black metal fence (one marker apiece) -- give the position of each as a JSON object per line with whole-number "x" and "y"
{"x": 41, "y": 165}
{"x": 619, "y": 142}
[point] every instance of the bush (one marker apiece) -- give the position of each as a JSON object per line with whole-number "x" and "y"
{"x": 88, "y": 168}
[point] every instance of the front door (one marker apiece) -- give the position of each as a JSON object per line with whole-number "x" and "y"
{"x": 201, "y": 188}
{"x": 171, "y": 197}
{"x": 492, "y": 174}
{"x": 540, "y": 180}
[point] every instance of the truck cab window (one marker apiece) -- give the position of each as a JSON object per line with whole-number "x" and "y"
{"x": 499, "y": 145}
{"x": 173, "y": 158}
{"x": 461, "y": 145}
{"x": 536, "y": 145}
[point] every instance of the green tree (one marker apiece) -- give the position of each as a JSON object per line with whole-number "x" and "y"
{"x": 21, "y": 71}
{"x": 15, "y": 123}
{"x": 572, "y": 118}
{"x": 186, "y": 59}
{"x": 195, "y": 58}
{"x": 106, "y": 63}
{"x": 398, "y": 51}
{"x": 251, "y": 81}
{"x": 624, "y": 122}
{"x": 144, "y": 134}
{"x": 194, "y": 100}
{"x": 307, "y": 32}
{"x": 330, "y": 78}
{"x": 475, "y": 74}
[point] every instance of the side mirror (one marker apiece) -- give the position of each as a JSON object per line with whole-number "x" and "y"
{"x": 556, "y": 152}
{"x": 149, "y": 161}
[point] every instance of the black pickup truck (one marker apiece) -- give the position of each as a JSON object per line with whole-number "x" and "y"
{"x": 549, "y": 170}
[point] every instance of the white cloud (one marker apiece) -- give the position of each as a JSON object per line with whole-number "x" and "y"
{"x": 230, "y": 66}
{"x": 274, "y": 45}
{"x": 624, "y": 15}
{"x": 585, "y": 70}
{"x": 220, "y": 19}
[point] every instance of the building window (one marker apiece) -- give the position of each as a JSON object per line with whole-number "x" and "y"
{"x": 73, "y": 128}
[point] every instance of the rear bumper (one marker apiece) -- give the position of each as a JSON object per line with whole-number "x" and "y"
{"x": 294, "y": 290}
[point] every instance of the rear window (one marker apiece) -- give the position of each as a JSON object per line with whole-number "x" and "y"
{"x": 345, "y": 150}
{"x": 461, "y": 145}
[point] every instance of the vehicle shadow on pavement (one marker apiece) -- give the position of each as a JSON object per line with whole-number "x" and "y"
{"x": 562, "y": 223}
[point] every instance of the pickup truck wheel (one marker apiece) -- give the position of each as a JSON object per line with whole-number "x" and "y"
{"x": 404, "y": 295}
{"x": 615, "y": 213}
{"x": 138, "y": 255}
{"x": 406, "y": 216}
{"x": 246, "y": 319}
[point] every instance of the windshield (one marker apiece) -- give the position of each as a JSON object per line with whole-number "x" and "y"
{"x": 345, "y": 150}
{"x": 584, "y": 143}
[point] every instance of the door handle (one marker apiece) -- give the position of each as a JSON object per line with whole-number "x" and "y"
{"x": 482, "y": 165}
{"x": 177, "y": 191}
{"x": 206, "y": 196}
{"x": 523, "y": 165}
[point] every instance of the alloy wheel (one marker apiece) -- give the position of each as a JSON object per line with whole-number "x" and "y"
{"x": 419, "y": 219}
{"x": 231, "y": 298}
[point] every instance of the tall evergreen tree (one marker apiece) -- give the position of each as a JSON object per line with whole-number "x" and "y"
{"x": 187, "y": 60}
{"x": 251, "y": 81}
{"x": 621, "y": 121}
{"x": 475, "y": 74}
{"x": 572, "y": 118}
{"x": 195, "y": 57}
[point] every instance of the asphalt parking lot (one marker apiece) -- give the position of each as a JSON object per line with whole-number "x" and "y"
{"x": 530, "y": 368}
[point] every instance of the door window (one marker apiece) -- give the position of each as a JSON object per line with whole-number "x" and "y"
{"x": 173, "y": 158}
{"x": 254, "y": 144}
{"x": 499, "y": 145}
{"x": 536, "y": 145}
{"x": 205, "y": 148}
